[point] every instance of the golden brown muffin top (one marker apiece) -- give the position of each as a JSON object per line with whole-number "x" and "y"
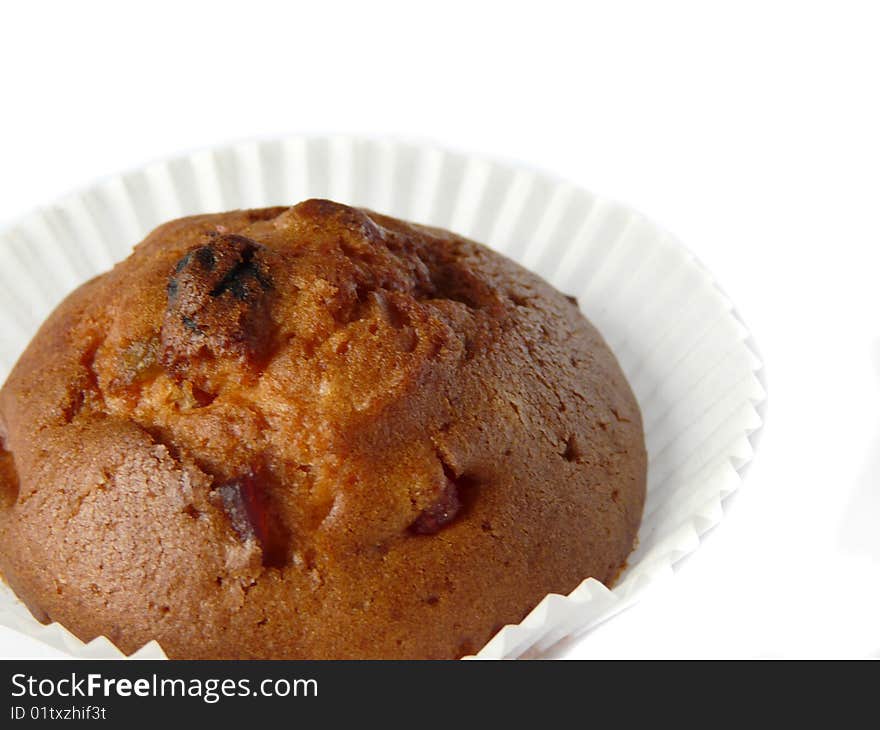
{"x": 280, "y": 342}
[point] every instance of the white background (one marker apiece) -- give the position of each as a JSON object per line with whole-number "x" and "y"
{"x": 750, "y": 130}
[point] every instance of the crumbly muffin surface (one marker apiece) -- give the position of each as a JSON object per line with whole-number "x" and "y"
{"x": 313, "y": 432}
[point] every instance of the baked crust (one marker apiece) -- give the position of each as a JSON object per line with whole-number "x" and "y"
{"x": 313, "y": 432}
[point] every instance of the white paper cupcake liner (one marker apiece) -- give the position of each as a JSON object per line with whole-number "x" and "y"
{"x": 684, "y": 351}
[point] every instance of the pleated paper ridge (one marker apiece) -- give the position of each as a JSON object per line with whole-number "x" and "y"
{"x": 677, "y": 337}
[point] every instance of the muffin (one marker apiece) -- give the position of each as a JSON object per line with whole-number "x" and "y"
{"x": 313, "y": 432}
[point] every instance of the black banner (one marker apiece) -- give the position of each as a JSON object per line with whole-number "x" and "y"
{"x": 409, "y": 694}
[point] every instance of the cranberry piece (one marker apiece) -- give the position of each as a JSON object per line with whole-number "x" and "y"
{"x": 243, "y": 504}
{"x": 439, "y": 514}
{"x": 218, "y": 302}
{"x": 247, "y": 504}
